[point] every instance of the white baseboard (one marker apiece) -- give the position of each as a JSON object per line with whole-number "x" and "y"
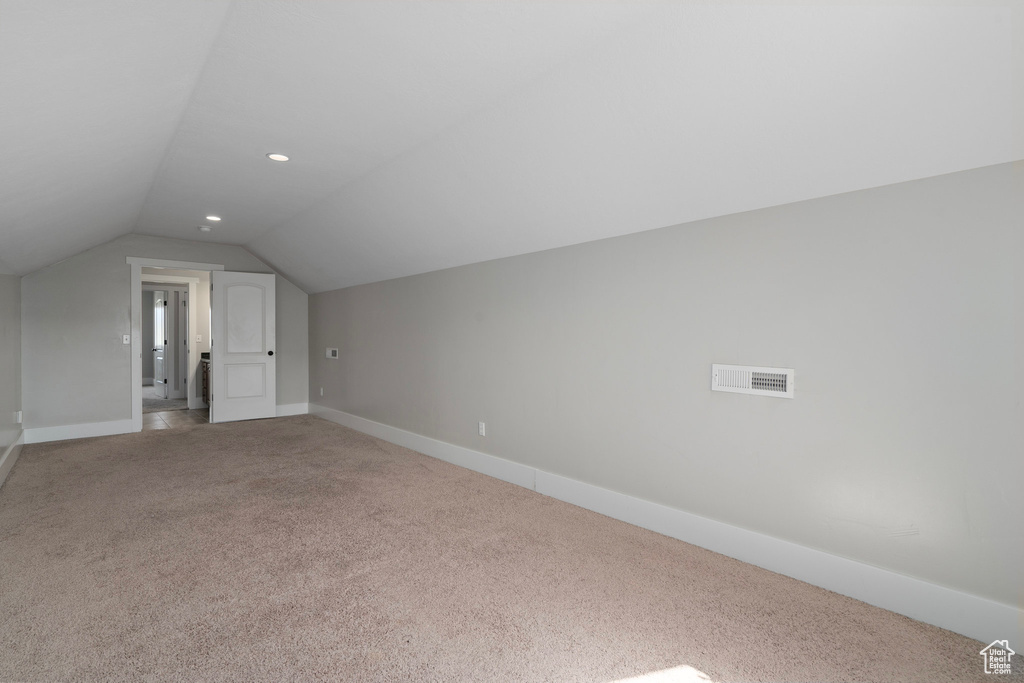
{"x": 292, "y": 409}
{"x": 10, "y": 456}
{"x": 79, "y": 431}
{"x": 963, "y": 613}
{"x": 969, "y": 615}
{"x": 492, "y": 466}
{"x": 63, "y": 432}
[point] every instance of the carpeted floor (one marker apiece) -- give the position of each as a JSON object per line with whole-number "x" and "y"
{"x": 296, "y": 549}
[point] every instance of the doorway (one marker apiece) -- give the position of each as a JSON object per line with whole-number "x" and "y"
{"x": 170, "y": 334}
{"x": 236, "y": 380}
{"x": 165, "y": 348}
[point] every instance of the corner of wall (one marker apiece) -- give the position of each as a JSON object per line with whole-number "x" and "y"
{"x": 280, "y": 273}
{"x": 12, "y": 435}
{"x": 10, "y": 456}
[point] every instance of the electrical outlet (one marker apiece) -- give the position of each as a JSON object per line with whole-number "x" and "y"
{"x": 321, "y": 391}
{"x": 17, "y": 417}
{"x": 482, "y": 428}
{"x": 199, "y": 339}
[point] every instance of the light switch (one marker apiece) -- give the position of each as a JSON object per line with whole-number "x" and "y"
{"x": 199, "y": 339}
{"x": 126, "y": 339}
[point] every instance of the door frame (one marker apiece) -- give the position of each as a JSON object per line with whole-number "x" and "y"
{"x": 171, "y": 284}
{"x": 137, "y": 264}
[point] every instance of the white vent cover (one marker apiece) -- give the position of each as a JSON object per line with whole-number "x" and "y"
{"x": 747, "y": 379}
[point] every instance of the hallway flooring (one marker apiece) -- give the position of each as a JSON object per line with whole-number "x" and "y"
{"x": 169, "y": 419}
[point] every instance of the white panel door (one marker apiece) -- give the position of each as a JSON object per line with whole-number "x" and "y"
{"x": 160, "y": 343}
{"x": 243, "y": 385}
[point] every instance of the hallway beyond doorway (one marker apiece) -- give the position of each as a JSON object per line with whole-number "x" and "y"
{"x": 172, "y": 419}
{"x": 153, "y": 403}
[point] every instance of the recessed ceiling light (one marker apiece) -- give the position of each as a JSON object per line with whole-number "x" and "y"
{"x": 213, "y": 218}
{"x": 205, "y": 228}
{"x": 277, "y": 157}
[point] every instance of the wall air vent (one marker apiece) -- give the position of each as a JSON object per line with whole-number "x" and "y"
{"x": 746, "y": 379}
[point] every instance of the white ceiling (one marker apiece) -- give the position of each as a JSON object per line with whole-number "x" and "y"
{"x": 430, "y": 134}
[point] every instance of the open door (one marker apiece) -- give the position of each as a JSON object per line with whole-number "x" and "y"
{"x": 160, "y": 343}
{"x": 176, "y": 350}
{"x": 243, "y": 385}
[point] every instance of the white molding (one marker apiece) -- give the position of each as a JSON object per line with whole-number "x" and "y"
{"x": 964, "y": 613}
{"x": 173, "y": 265}
{"x": 499, "y": 468}
{"x": 292, "y": 409}
{"x": 957, "y": 611}
{"x": 79, "y": 431}
{"x": 10, "y": 456}
{"x": 152, "y": 281}
{"x": 135, "y": 311}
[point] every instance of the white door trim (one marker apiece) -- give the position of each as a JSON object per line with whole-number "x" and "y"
{"x": 175, "y": 265}
{"x": 137, "y": 264}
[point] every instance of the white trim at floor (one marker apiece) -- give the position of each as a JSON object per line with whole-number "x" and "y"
{"x": 10, "y": 456}
{"x": 80, "y": 431}
{"x": 492, "y": 466}
{"x": 292, "y": 409}
{"x": 970, "y": 615}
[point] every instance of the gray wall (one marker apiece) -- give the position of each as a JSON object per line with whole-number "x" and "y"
{"x": 10, "y": 362}
{"x": 147, "y": 334}
{"x": 74, "y": 313}
{"x": 899, "y": 307}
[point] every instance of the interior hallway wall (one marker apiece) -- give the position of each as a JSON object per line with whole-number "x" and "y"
{"x": 147, "y": 335}
{"x": 74, "y": 313}
{"x": 899, "y": 307}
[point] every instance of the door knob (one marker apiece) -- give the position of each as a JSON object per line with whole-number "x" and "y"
{"x": 270, "y": 353}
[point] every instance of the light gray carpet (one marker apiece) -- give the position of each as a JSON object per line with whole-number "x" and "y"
{"x": 159, "y": 405}
{"x": 295, "y": 549}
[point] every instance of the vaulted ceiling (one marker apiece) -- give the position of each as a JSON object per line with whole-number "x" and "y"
{"x": 428, "y": 134}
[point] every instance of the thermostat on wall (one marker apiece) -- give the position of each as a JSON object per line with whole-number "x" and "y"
{"x": 332, "y": 353}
